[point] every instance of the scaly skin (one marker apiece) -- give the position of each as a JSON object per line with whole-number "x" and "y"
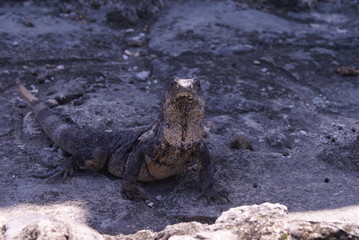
{"x": 164, "y": 149}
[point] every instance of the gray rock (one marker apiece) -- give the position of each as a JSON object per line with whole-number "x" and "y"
{"x": 265, "y": 221}
{"x": 301, "y": 51}
{"x": 143, "y": 75}
{"x": 209, "y": 23}
{"x": 34, "y": 226}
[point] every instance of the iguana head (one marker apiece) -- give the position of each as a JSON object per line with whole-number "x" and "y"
{"x": 183, "y": 112}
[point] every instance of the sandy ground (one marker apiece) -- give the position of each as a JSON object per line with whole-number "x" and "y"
{"x": 268, "y": 73}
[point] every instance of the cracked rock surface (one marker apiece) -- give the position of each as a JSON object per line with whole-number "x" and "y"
{"x": 269, "y": 70}
{"x": 265, "y": 221}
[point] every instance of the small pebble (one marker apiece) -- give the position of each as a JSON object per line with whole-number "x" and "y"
{"x": 34, "y": 89}
{"x": 256, "y": 62}
{"x": 128, "y": 52}
{"x": 303, "y": 132}
{"x": 60, "y": 67}
{"x": 143, "y": 75}
{"x": 150, "y": 204}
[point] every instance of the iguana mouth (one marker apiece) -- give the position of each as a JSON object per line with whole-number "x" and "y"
{"x": 183, "y": 113}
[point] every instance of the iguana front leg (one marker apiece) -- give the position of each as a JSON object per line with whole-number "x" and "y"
{"x": 85, "y": 158}
{"x": 207, "y": 179}
{"x": 129, "y": 188}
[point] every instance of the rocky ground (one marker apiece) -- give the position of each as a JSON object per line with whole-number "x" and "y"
{"x": 265, "y": 221}
{"x": 269, "y": 72}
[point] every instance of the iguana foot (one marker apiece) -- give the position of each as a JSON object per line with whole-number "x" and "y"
{"x": 213, "y": 195}
{"x": 65, "y": 169}
{"x": 131, "y": 191}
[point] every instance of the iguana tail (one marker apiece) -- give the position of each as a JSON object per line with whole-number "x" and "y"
{"x": 26, "y": 93}
{"x": 63, "y": 134}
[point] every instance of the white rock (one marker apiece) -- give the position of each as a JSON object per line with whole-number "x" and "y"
{"x": 143, "y": 75}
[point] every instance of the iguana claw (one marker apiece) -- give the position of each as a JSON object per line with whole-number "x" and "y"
{"x": 131, "y": 192}
{"x": 65, "y": 169}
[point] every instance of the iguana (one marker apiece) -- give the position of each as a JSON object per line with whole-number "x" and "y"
{"x": 148, "y": 154}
